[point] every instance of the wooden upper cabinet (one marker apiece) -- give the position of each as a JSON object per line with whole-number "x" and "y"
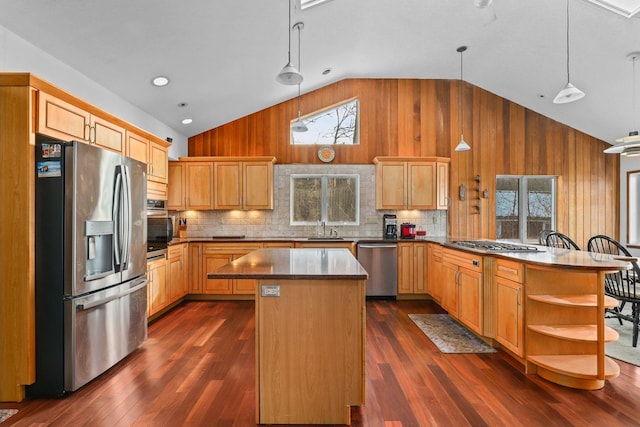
{"x": 228, "y": 185}
{"x": 207, "y": 183}
{"x": 158, "y": 162}
{"x": 199, "y": 186}
{"x": 244, "y": 184}
{"x": 412, "y": 182}
{"x": 176, "y": 197}
{"x": 391, "y": 185}
{"x": 190, "y": 186}
{"x": 62, "y": 120}
{"x": 258, "y": 184}
{"x": 153, "y": 154}
{"x": 137, "y": 147}
{"x": 421, "y": 188}
{"x": 442, "y": 184}
{"x": 107, "y": 135}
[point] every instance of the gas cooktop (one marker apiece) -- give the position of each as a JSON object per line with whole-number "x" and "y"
{"x": 492, "y": 246}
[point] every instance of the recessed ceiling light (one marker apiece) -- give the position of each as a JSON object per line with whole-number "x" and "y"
{"x": 160, "y": 81}
{"x": 326, "y": 71}
{"x": 182, "y": 104}
{"x": 187, "y": 121}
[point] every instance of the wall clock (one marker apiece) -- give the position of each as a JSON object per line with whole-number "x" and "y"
{"x": 326, "y": 153}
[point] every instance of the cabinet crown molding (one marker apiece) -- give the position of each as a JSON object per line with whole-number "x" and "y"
{"x": 379, "y": 159}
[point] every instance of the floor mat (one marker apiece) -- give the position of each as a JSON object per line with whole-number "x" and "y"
{"x": 448, "y": 335}
{"x": 6, "y": 413}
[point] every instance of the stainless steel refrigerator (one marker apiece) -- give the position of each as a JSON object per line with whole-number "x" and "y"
{"x": 91, "y": 287}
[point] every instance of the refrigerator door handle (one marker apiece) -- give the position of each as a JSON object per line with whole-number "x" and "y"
{"x": 117, "y": 218}
{"x": 127, "y": 218}
{"x": 90, "y": 305}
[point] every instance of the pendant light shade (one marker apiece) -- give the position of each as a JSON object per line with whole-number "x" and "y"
{"x": 289, "y": 75}
{"x": 569, "y": 93}
{"x": 462, "y": 145}
{"x": 629, "y": 145}
{"x": 299, "y": 125}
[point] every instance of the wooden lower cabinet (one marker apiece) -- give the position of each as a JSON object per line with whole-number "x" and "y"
{"x": 214, "y": 256}
{"x": 157, "y": 287}
{"x": 177, "y": 276}
{"x": 463, "y": 295}
{"x": 412, "y": 268}
{"x": 194, "y": 275}
{"x": 434, "y": 271}
{"x": 508, "y": 307}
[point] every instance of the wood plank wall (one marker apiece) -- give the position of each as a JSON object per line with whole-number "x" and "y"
{"x": 407, "y": 117}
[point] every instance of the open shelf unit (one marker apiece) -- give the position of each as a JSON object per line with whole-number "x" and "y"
{"x": 566, "y": 334}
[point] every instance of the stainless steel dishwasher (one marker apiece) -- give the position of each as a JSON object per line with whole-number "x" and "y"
{"x": 380, "y": 259}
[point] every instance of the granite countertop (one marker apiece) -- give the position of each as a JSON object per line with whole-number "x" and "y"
{"x": 364, "y": 239}
{"x": 570, "y": 259}
{"x": 286, "y": 263}
{"x": 548, "y": 256}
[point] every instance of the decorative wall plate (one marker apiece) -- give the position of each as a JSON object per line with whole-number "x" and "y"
{"x": 326, "y": 153}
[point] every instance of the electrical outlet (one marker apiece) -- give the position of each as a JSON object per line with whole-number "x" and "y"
{"x": 270, "y": 290}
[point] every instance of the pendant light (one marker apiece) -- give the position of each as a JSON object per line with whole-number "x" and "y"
{"x": 298, "y": 125}
{"x": 629, "y": 145}
{"x": 462, "y": 145}
{"x": 569, "y": 93}
{"x": 289, "y": 75}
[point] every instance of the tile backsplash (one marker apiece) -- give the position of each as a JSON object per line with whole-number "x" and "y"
{"x": 275, "y": 223}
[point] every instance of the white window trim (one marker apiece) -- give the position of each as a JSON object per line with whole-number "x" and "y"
{"x": 324, "y": 201}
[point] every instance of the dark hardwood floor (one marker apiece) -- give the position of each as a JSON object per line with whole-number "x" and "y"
{"x": 198, "y": 369}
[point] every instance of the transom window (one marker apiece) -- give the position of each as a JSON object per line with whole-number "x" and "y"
{"x": 525, "y": 205}
{"x": 335, "y": 125}
{"x": 305, "y": 4}
{"x": 334, "y": 199}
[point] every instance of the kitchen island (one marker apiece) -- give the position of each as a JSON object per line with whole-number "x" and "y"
{"x": 310, "y": 333}
{"x": 547, "y": 307}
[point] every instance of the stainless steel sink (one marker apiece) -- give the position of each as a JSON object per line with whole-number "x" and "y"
{"x": 325, "y": 238}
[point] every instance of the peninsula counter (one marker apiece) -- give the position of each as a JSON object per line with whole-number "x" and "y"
{"x": 310, "y": 333}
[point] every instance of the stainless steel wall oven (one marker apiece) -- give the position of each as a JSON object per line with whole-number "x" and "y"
{"x": 159, "y": 228}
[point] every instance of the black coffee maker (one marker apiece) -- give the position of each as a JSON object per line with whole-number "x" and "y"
{"x": 389, "y": 226}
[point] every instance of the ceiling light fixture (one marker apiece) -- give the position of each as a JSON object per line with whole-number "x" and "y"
{"x": 569, "y": 93}
{"x": 299, "y": 125}
{"x": 289, "y": 75}
{"x": 629, "y": 145}
{"x": 462, "y": 145}
{"x": 160, "y": 81}
{"x": 186, "y": 121}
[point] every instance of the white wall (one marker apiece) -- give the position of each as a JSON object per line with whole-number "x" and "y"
{"x": 18, "y": 55}
{"x": 626, "y": 165}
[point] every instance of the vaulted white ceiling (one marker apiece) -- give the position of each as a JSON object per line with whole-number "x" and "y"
{"x": 222, "y": 56}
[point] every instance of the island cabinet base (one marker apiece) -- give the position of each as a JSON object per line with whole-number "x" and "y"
{"x": 310, "y": 357}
